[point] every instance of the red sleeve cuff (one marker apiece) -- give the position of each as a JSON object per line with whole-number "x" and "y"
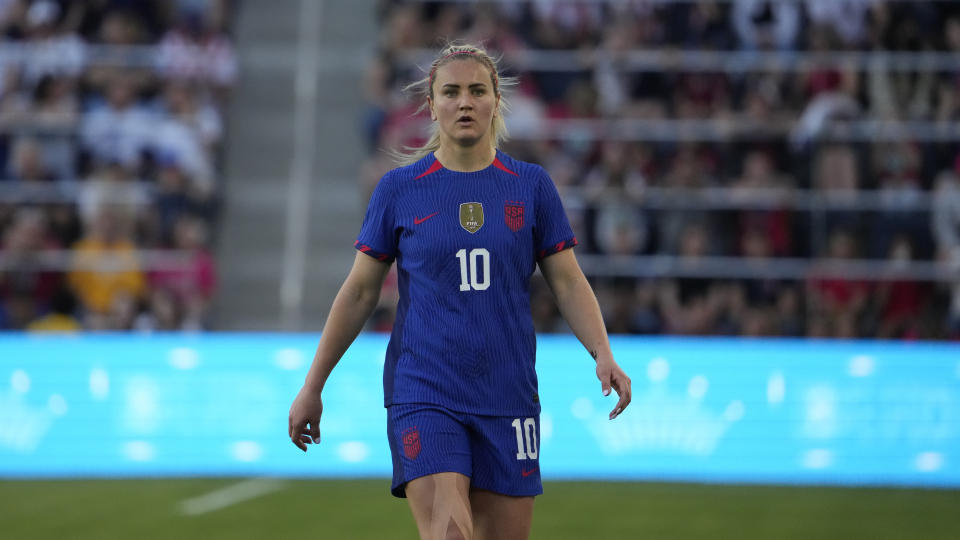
{"x": 556, "y": 248}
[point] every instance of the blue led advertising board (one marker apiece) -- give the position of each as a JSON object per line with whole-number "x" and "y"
{"x": 705, "y": 410}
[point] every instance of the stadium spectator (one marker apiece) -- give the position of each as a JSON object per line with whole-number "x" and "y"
{"x": 53, "y": 49}
{"x": 766, "y": 25}
{"x": 897, "y": 170}
{"x": 197, "y": 48}
{"x": 119, "y": 130}
{"x": 493, "y": 26}
{"x": 688, "y": 173}
{"x": 612, "y": 188}
{"x": 403, "y": 28}
{"x": 836, "y": 178}
{"x": 700, "y": 25}
{"x": 65, "y": 225}
{"x": 188, "y": 132}
{"x": 14, "y": 100}
{"x": 613, "y": 83}
{"x": 113, "y": 184}
{"x": 756, "y": 247}
{"x": 789, "y": 321}
{"x": 27, "y": 164}
{"x": 190, "y": 286}
{"x": 691, "y": 304}
{"x": 54, "y": 114}
{"x": 105, "y": 272}
{"x": 847, "y": 19}
{"x": 13, "y": 19}
{"x": 179, "y": 194}
{"x": 26, "y": 289}
{"x": 899, "y": 303}
{"x": 760, "y": 182}
{"x": 836, "y": 303}
{"x": 377, "y": 89}
{"x": 120, "y": 29}
{"x": 617, "y": 299}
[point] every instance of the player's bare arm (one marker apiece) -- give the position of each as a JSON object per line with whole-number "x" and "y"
{"x": 580, "y": 309}
{"x": 351, "y": 308}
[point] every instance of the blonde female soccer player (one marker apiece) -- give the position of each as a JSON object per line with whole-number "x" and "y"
{"x": 466, "y": 225}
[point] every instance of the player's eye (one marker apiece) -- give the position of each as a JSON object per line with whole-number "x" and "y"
{"x": 450, "y": 92}
{"x": 479, "y": 91}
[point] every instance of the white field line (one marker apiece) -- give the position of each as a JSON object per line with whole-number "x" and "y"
{"x": 230, "y": 495}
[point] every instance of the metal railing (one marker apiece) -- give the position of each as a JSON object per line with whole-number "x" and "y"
{"x": 739, "y": 129}
{"x": 598, "y": 266}
{"x": 713, "y": 267}
{"x": 66, "y": 260}
{"x": 726, "y": 198}
{"x": 729, "y": 61}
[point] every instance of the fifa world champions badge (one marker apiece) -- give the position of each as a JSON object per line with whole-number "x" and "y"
{"x": 411, "y": 442}
{"x": 471, "y": 216}
{"x": 513, "y": 215}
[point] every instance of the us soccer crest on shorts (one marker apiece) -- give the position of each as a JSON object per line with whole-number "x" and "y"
{"x": 411, "y": 442}
{"x": 513, "y": 215}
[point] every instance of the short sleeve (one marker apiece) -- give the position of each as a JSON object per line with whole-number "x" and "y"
{"x": 552, "y": 232}
{"x": 377, "y": 236}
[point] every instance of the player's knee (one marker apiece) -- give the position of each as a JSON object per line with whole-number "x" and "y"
{"x": 455, "y": 531}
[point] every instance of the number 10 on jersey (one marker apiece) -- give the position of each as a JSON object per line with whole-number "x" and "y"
{"x": 469, "y": 278}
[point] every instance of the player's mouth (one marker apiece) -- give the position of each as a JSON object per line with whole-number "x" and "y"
{"x": 464, "y": 121}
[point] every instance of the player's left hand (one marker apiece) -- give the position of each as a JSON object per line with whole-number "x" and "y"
{"x": 611, "y": 375}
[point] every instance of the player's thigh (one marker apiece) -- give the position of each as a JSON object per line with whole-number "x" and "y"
{"x": 497, "y": 516}
{"x": 440, "y": 504}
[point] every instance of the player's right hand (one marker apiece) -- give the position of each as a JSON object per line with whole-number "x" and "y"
{"x": 304, "y": 425}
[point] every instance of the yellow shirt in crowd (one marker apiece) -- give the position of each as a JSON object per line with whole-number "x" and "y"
{"x": 96, "y": 289}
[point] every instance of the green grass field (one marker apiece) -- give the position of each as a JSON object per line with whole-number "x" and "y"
{"x": 362, "y": 509}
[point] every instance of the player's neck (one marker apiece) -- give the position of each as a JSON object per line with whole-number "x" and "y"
{"x": 465, "y": 159}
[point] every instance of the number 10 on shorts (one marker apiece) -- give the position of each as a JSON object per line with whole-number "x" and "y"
{"x": 526, "y": 429}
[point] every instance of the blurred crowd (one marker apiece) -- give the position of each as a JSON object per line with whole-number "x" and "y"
{"x": 607, "y": 183}
{"x": 111, "y": 125}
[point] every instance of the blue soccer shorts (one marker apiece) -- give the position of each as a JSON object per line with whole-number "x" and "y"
{"x": 498, "y": 453}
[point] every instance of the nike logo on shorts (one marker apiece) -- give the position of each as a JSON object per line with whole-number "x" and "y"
{"x": 525, "y": 473}
{"x": 419, "y": 220}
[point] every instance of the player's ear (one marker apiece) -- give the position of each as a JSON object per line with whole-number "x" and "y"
{"x": 433, "y": 115}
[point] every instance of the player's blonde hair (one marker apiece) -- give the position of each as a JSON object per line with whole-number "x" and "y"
{"x": 424, "y": 86}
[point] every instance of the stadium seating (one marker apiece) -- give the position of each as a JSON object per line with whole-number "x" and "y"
{"x": 111, "y": 124}
{"x": 730, "y": 168}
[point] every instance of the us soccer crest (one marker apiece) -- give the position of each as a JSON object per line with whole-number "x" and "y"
{"x": 411, "y": 443}
{"x": 471, "y": 216}
{"x": 513, "y": 215}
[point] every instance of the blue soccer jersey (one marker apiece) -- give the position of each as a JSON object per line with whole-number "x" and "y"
{"x": 466, "y": 245}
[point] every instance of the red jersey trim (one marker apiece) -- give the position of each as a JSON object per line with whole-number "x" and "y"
{"x": 502, "y": 167}
{"x": 436, "y": 166}
{"x": 363, "y": 248}
{"x": 557, "y": 248}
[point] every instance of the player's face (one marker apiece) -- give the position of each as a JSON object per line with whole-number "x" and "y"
{"x": 463, "y": 103}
